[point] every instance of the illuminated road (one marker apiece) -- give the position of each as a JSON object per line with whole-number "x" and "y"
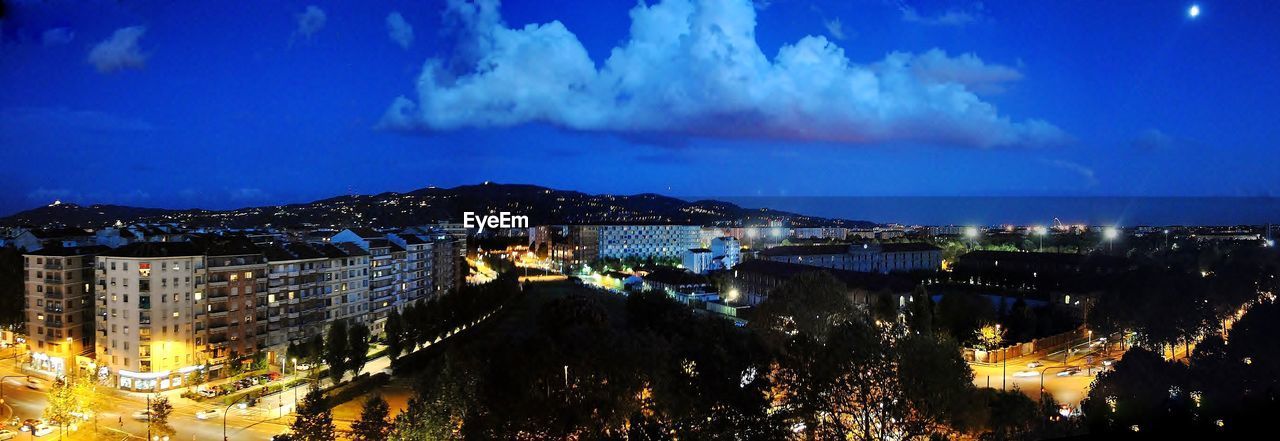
{"x": 1068, "y": 382}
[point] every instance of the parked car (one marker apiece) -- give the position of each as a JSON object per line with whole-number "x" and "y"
{"x": 208, "y": 414}
{"x": 28, "y": 423}
{"x": 1033, "y": 365}
{"x": 208, "y": 393}
{"x": 7, "y": 434}
{"x": 42, "y": 430}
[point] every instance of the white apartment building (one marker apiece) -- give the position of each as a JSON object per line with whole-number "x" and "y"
{"x": 728, "y": 250}
{"x": 697, "y": 260}
{"x": 644, "y": 241}
{"x": 148, "y": 295}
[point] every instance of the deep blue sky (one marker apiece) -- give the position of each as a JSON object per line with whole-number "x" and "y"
{"x": 202, "y": 104}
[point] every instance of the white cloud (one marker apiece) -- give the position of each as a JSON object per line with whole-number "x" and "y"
{"x": 967, "y": 69}
{"x": 950, "y": 17}
{"x": 310, "y": 21}
{"x": 399, "y": 30}
{"x": 834, "y": 28}
{"x": 693, "y": 68}
{"x": 119, "y": 52}
{"x": 57, "y": 36}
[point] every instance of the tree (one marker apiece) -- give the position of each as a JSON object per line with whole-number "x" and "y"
{"x": 394, "y": 335}
{"x": 159, "y": 418}
{"x": 313, "y": 420}
{"x": 358, "y": 348}
{"x": 62, "y": 405}
{"x": 336, "y": 351}
{"x": 811, "y": 304}
{"x": 373, "y": 424}
{"x": 936, "y": 381}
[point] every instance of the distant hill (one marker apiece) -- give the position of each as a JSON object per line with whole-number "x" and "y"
{"x": 543, "y": 206}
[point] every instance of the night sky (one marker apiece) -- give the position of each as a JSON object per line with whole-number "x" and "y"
{"x": 201, "y": 104}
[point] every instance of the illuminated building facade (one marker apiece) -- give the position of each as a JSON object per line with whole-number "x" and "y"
{"x": 59, "y": 305}
{"x": 231, "y": 316}
{"x": 147, "y": 299}
{"x": 295, "y": 293}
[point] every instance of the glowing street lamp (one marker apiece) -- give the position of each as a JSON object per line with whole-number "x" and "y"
{"x": 1110, "y": 234}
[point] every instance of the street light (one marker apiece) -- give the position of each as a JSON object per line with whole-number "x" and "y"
{"x": 1041, "y": 231}
{"x": 1110, "y": 234}
{"x": 224, "y": 416}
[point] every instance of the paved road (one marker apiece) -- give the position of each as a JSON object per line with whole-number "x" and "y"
{"x": 271, "y": 416}
{"x": 1066, "y": 388}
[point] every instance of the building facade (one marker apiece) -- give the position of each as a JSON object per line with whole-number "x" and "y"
{"x": 59, "y": 306}
{"x": 147, "y": 302}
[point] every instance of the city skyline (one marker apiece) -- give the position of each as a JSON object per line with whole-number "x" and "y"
{"x": 1073, "y": 99}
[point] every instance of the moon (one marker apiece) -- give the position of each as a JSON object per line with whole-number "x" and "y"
{"x": 1193, "y": 11}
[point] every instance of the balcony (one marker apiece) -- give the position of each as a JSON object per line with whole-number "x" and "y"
{"x": 53, "y": 266}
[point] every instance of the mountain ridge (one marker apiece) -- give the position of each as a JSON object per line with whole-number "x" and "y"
{"x": 543, "y": 206}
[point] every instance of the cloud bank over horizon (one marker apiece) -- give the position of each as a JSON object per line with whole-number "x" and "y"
{"x": 693, "y": 68}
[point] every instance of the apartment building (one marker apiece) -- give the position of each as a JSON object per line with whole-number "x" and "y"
{"x": 231, "y": 317}
{"x": 59, "y": 287}
{"x": 295, "y": 293}
{"x": 146, "y": 325}
{"x": 384, "y": 271}
{"x": 642, "y": 241}
{"x": 346, "y": 282}
{"x": 416, "y": 268}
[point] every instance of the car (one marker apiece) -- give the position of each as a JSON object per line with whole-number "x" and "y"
{"x": 28, "y": 423}
{"x": 41, "y": 430}
{"x": 36, "y": 383}
{"x": 7, "y": 434}
{"x": 1069, "y": 372}
{"x": 208, "y": 414}
{"x": 1033, "y": 365}
{"x": 142, "y": 415}
{"x": 208, "y": 393}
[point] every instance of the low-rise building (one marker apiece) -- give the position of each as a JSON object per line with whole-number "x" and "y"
{"x": 697, "y": 260}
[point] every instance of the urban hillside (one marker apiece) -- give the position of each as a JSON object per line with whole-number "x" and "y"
{"x": 542, "y": 205}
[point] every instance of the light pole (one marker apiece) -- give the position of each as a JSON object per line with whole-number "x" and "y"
{"x": 224, "y": 416}
{"x": 6, "y": 378}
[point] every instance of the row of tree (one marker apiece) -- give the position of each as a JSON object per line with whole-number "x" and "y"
{"x": 1227, "y": 386}
{"x": 343, "y": 348}
{"x": 425, "y": 321}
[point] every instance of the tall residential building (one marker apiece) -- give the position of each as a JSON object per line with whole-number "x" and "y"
{"x": 59, "y": 305}
{"x": 147, "y": 298}
{"x": 295, "y": 294}
{"x": 346, "y": 282}
{"x": 383, "y": 272}
{"x": 416, "y": 269}
{"x": 231, "y": 320}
